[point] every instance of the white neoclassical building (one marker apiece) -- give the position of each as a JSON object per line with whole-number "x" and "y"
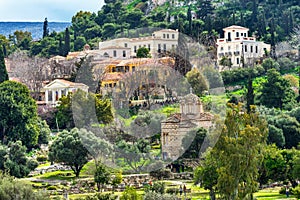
{"x": 58, "y": 88}
{"x": 159, "y": 41}
{"x": 239, "y": 47}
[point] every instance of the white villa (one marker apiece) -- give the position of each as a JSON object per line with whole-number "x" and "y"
{"x": 123, "y": 48}
{"x": 58, "y": 88}
{"x": 238, "y": 47}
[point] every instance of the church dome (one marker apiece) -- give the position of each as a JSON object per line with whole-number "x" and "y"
{"x": 191, "y": 105}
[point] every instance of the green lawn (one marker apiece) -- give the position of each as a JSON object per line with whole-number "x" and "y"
{"x": 271, "y": 194}
{"x": 57, "y": 175}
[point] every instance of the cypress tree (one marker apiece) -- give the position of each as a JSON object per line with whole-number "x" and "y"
{"x": 60, "y": 47}
{"x": 250, "y": 93}
{"x": 67, "y": 45}
{"x": 45, "y": 28}
{"x": 3, "y": 71}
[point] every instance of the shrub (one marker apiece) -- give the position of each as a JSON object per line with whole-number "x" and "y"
{"x": 51, "y": 187}
{"x": 158, "y": 187}
{"x": 11, "y": 188}
{"x": 129, "y": 194}
{"x": 41, "y": 158}
{"x": 161, "y": 173}
{"x": 172, "y": 191}
{"x": 295, "y": 191}
{"x": 157, "y": 196}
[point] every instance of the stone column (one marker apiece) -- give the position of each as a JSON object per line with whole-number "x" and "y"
{"x": 59, "y": 93}
{"x": 46, "y": 96}
{"x": 53, "y": 96}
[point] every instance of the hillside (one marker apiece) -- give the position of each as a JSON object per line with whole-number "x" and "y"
{"x": 270, "y": 21}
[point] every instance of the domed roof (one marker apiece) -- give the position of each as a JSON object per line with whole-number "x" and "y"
{"x": 190, "y": 99}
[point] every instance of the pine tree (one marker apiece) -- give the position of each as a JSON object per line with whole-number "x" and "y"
{"x": 67, "y": 46}
{"x": 3, "y": 71}
{"x": 45, "y": 28}
{"x": 205, "y": 8}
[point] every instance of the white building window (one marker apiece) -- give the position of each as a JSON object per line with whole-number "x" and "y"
{"x": 165, "y": 47}
{"x": 167, "y": 36}
{"x": 134, "y": 49}
{"x": 149, "y": 47}
{"x": 251, "y": 49}
{"x": 237, "y": 34}
{"x": 229, "y": 47}
{"x": 126, "y": 45}
{"x": 164, "y": 35}
{"x": 237, "y": 61}
{"x": 173, "y": 36}
{"x": 115, "y": 53}
{"x": 246, "y": 48}
{"x": 256, "y": 49}
{"x": 222, "y": 48}
{"x": 124, "y": 54}
{"x": 159, "y": 48}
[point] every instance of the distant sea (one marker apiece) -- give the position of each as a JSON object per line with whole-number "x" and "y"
{"x": 36, "y": 28}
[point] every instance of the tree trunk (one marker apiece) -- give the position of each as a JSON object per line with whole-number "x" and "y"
{"x": 212, "y": 194}
{"x": 98, "y": 187}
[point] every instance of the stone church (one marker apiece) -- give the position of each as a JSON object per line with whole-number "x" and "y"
{"x": 174, "y": 128}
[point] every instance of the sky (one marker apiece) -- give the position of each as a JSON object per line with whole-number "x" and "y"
{"x": 38, "y": 10}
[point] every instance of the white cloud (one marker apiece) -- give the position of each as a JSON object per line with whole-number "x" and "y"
{"x": 37, "y": 10}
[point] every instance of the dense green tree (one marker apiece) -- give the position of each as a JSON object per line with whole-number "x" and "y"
{"x": 147, "y": 124}
{"x": 197, "y": 81}
{"x": 79, "y": 43}
{"x": 274, "y": 167}
{"x": 22, "y": 39}
{"x": 18, "y": 114}
{"x": 68, "y": 148}
{"x": 192, "y": 143}
{"x": 101, "y": 176}
{"x": 276, "y": 92}
{"x": 205, "y": 8}
{"x": 239, "y": 152}
{"x": 291, "y": 129}
{"x": 143, "y": 52}
{"x": 89, "y": 108}
{"x": 213, "y": 77}
{"x": 80, "y": 108}
{"x": 15, "y": 160}
{"x": 136, "y": 155}
{"x": 206, "y": 174}
{"x": 3, "y": 71}
{"x": 45, "y": 28}
{"x": 64, "y": 115}
{"x": 276, "y": 136}
{"x": 100, "y": 149}
{"x": 44, "y": 135}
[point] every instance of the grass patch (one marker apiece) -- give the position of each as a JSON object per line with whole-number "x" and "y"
{"x": 47, "y": 164}
{"x": 89, "y": 169}
{"x": 57, "y": 175}
{"x": 271, "y": 194}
